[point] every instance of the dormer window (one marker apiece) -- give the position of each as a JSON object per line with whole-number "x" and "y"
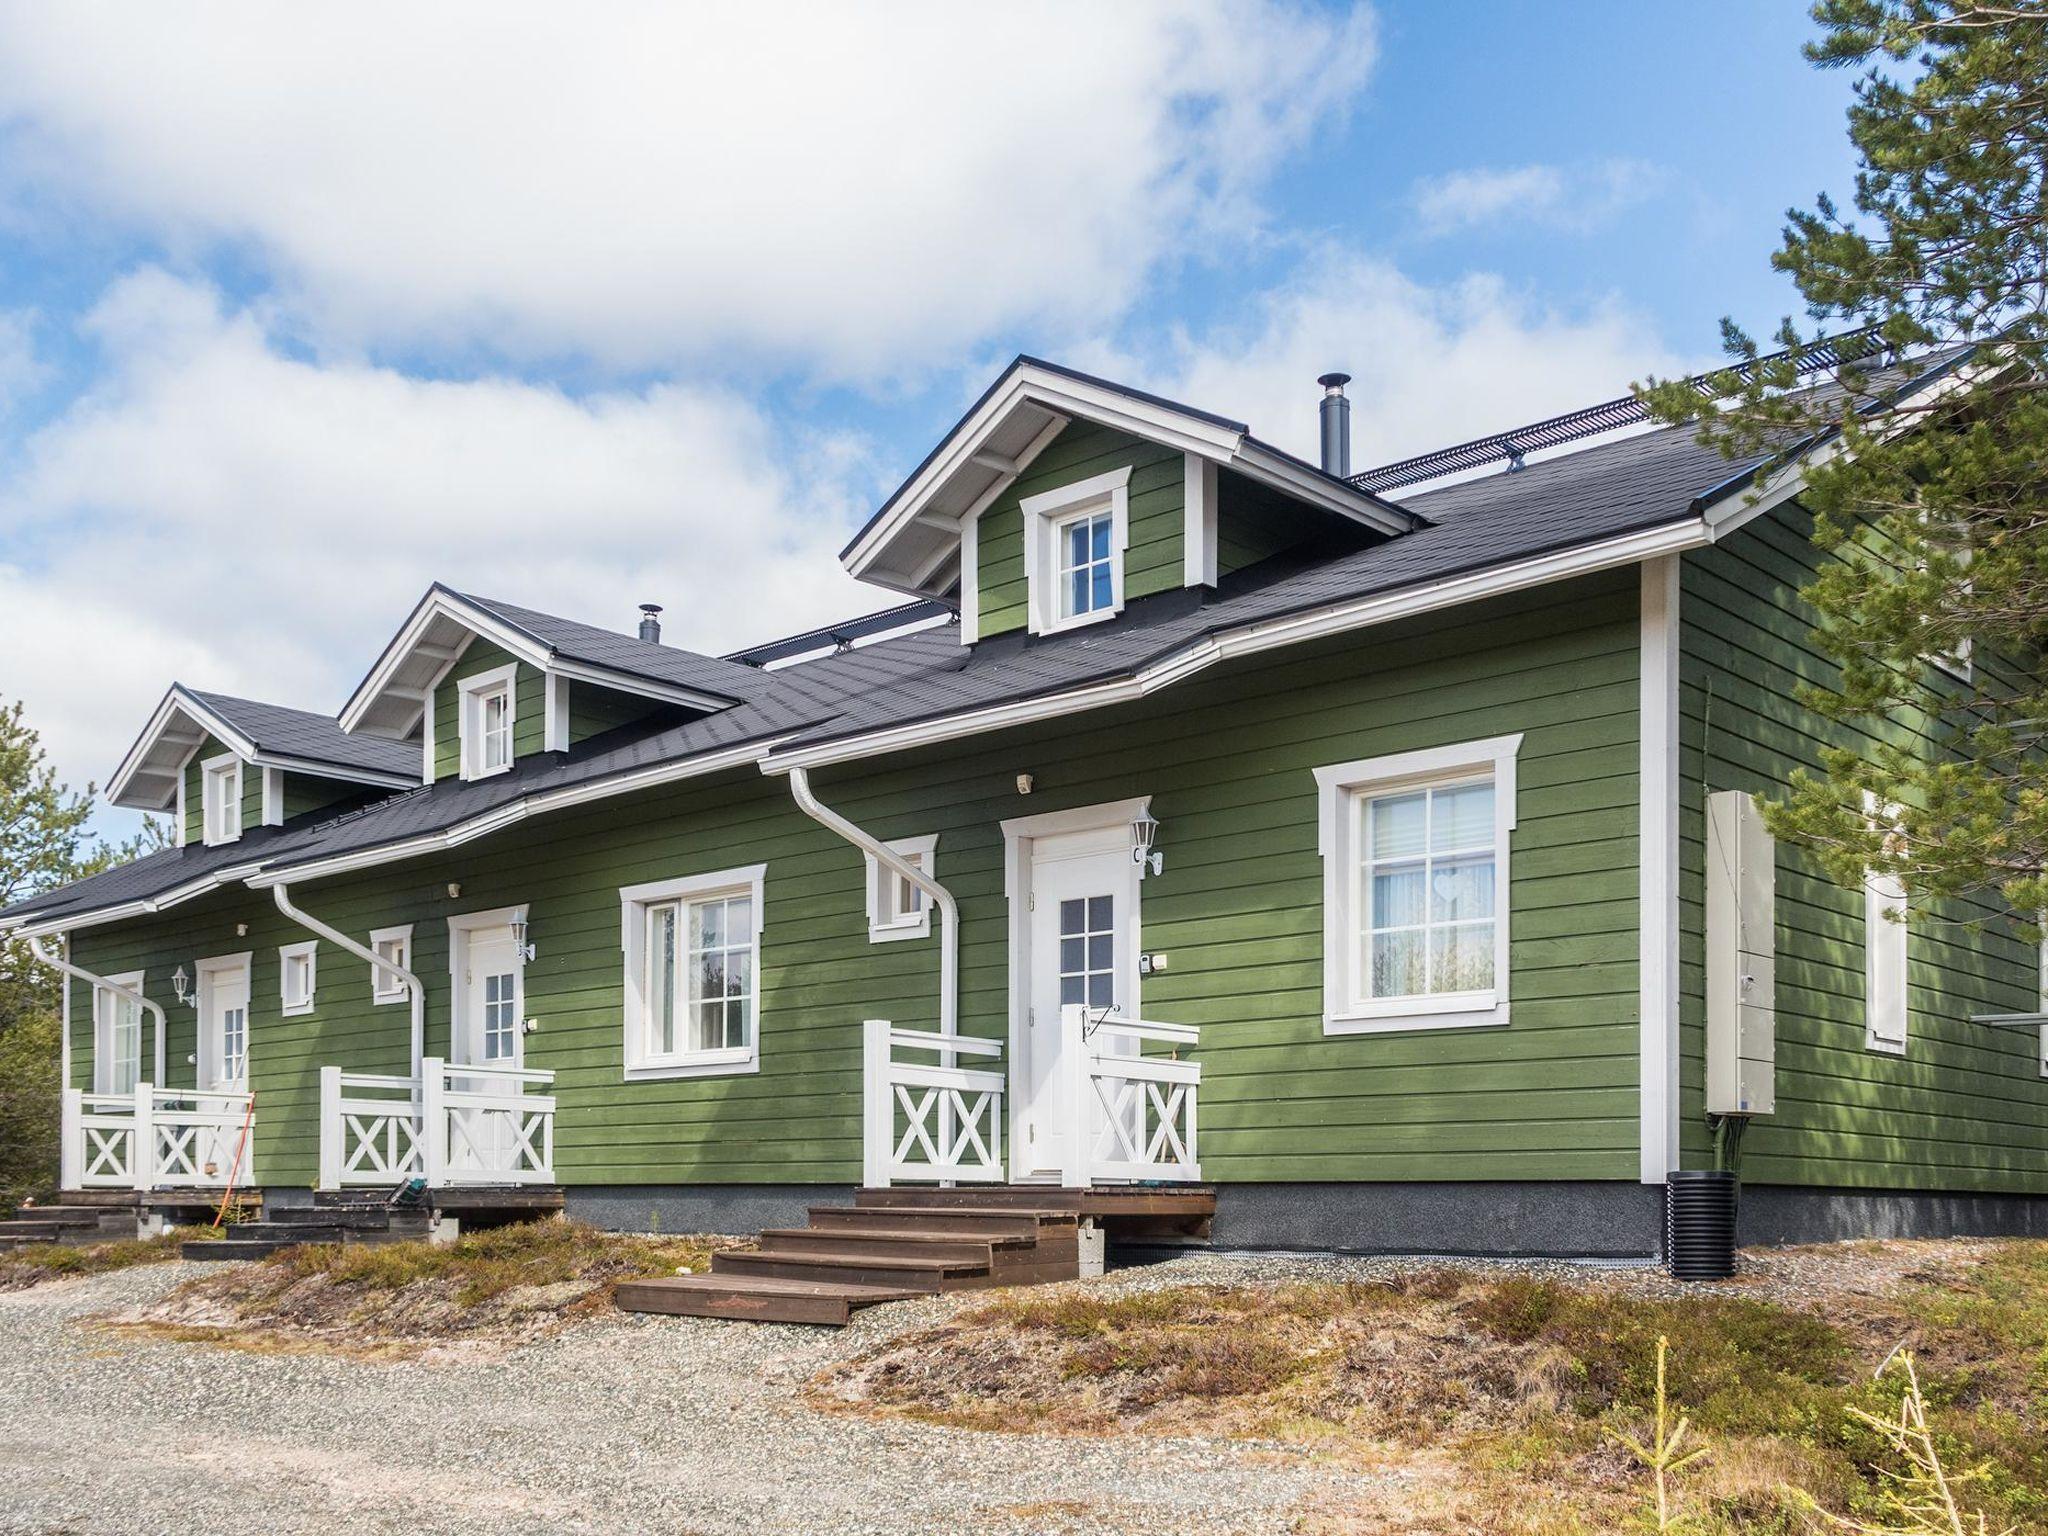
{"x": 221, "y": 799}
{"x": 1074, "y": 542}
{"x": 489, "y": 706}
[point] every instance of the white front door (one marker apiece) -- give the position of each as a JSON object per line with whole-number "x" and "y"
{"x": 224, "y": 1028}
{"x": 493, "y": 1004}
{"x": 1081, "y": 938}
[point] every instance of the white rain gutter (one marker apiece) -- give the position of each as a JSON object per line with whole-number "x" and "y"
{"x": 80, "y": 973}
{"x": 949, "y": 910}
{"x": 281, "y": 894}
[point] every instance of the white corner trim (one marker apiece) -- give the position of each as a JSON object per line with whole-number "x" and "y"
{"x": 1107, "y": 491}
{"x": 273, "y": 797}
{"x": 309, "y": 950}
{"x": 1345, "y": 1011}
{"x": 639, "y": 1065}
{"x": 555, "y": 713}
{"x": 970, "y": 580}
{"x": 177, "y": 830}
{"x": 1198, "y": 521}
{"x": 1657, "y": 866}
{"x": 922, "y": 851}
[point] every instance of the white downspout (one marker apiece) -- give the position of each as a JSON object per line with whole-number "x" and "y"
{"x": 949, "y": 911}
{"x": 416, "y": 993}
{"x": 79, "y": 973}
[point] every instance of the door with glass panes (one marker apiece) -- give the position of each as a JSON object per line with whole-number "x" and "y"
{"x": 490, "y": 1033}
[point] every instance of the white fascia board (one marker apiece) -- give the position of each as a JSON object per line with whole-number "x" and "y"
{"x": 1260, "y": 463}
{"x": 176, "y": 701}
{"x": 348, "y": 773}
{"x": 500, "y": 817}
{"x": 28, "y": 927}
{"x": 1360, "y": 613}
{"x": 437, "y": 604}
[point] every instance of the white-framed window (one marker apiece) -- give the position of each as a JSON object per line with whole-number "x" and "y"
{"x": 489, "y": 706}
{"x": 1415, "y": 887}
{"x": 693, "y": 971}
{"x": 1074, "y": 542}
{"x": 117, "y": 1036}
{"x": 897, "y": 909}
{"x": 394, "y": 945}
{"x": 1884, "y": 952}
{"x": 297, "y": 966}
{"x": 220, "y": 804}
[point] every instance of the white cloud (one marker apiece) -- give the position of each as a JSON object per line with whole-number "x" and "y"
{"x": 1577, "y": 198}
{"x": 216, "y": 511}
{"x": 849, "y": 187}
{"x": 1431, "y": 366}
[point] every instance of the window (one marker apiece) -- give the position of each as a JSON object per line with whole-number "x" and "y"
{"x": 117, "y": 1036}
{"x": 1884, "y": 952}
{"x": 395, "y": 945}
{"x": 1415, "y": 883}
{"x": 489, "y": 706}
{"x": 693, "y": 953}
{"x": 897, "y": 909}
{"x": 296, "y": 978}
{"x": 1074, "y": 542}
{"x": 220, "y": 781}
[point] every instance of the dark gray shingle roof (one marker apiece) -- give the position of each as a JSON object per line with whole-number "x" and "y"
{"x": 302, "y": 733}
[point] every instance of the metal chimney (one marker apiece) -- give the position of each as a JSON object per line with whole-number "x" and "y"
{"x": 650, "y": 622}
{"x": 1336, "y": 418}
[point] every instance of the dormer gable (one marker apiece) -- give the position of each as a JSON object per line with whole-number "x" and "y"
{"x": 476, "y": 684}
{"x": 1058, "y": 498}
{"x": 222, "y": 766}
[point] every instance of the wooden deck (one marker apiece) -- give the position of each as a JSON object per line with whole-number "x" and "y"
{"x": 893, "y": 1244}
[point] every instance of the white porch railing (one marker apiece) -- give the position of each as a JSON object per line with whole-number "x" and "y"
{"x": 929, "y": 1123}
{"x": 455, "y": 1124}
{"x": 155, "y": 1138}
{"x": 1136, "y": 1113}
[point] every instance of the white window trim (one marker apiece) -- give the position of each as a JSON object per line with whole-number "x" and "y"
{"x": 640, "y": 1064}
{"x": 221, "y": 764}
{"x": 920, "y": 851}
{"x": 1887, "y": 1002}
{"x": 1343, "y": 1012}
{"x": 1108, "y": 491}
{"x": 286, "y": 954}
{"x": 384, "y": 987}
{"x": 470, "y": 691}
{"x": 102, "y": 1028}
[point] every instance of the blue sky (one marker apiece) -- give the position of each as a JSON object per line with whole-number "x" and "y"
{"x": 301, "y": 310}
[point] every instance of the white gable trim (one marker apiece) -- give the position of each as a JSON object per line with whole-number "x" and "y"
{"x": 1198, "y": 521}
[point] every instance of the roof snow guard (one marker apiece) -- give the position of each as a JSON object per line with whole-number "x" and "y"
{"x": 912, "y": 544}
{"x": 1511, "y": 448}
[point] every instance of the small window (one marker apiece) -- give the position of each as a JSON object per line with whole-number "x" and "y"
{"x": 296, "y": 976}
{"x": 221, "y": 799}
{"x": 394, "y": 945}
{"x": 489, "y": 707}
{"x": 897, "y": 909}
{"x": 1074, "y": 542}
{"x": 693, "y": 952}
{"x": 1415, "y": 857}
{"x": 117, "y": 1036}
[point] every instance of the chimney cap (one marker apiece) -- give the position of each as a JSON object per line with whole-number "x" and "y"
{"x": 1334, "y": 382}
{"x": 650, "y": 608}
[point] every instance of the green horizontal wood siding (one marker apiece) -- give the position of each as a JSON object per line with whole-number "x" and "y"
{"x": 1254, "y": 522}
{"x": 1152, "y": 562}
{"x": 1228, "y": 759}
{"x": 594, "y": 710}
{"x": 1966, "y": 1108}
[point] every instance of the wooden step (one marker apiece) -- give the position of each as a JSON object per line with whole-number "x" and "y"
{"x": 975, "y": 1219}
{"x": 35, "y": 1231}
{"x": 214, "y": 1250}
{"x": 65, "y": 1215}
{"x": 883, "y": 1243}
{"x": 905, "y": 1272}
{"x": 760, "y": 1299}
{"x": 102, "y": 1198}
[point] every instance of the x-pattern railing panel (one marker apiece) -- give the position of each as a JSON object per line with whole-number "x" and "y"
{"x": 490, "y": 1140}
{"x": 109, "y": 1154}
{"x": 973, "y": 1122}
{"x": 380, "y": 1146}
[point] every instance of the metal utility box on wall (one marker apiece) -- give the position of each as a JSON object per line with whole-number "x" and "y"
{"x": 1742, "y": 987}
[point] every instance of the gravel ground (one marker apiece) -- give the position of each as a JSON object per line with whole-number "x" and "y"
{"x": 623, "y": 1425}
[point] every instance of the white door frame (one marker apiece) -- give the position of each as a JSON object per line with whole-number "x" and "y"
{"x": 460, "y": 927}
{"x": 205, "y": 971}
{"x": 1019, "y": 835}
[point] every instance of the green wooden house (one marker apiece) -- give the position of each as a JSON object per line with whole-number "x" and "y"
{"x": 1375, "y": 850}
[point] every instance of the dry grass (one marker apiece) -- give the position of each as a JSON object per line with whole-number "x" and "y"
{"x": 1491, "y": 1401}
{"x": 25, "y": 1267}
{"x": 488, "y": 1290}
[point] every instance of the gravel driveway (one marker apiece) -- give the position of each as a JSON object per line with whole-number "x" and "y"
{"x": 627, "y": 1424}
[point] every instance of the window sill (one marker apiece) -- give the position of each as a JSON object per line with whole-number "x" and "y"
{"x": 889, "y": 933}
{"x": 221, "y": 842}
{"x": 711, "y": 1064}
{"x": 294, "y": 1010}
{"x": 1405, "y": 1015}
{"x": 386, "y": 999}
{"x": 471, "y": 776}
{"x": 1083, "y": 620}
{"x": 1885, "y": 1047}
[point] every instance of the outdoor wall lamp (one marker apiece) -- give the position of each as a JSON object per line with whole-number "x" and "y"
{"x": 1144, "y": 828}
{"x": 520, "y": 945}
{"x": 182, "y": 988}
